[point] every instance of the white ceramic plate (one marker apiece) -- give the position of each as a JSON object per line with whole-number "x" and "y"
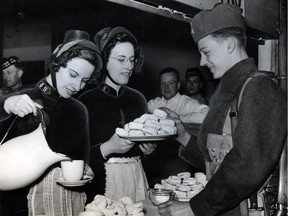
{"x": 73, "y": 183}
{"x": 149, "y": 138}
{"x": 184, "y": 199}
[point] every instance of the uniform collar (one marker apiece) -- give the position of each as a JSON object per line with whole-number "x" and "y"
{"x": 48, "y": 91}
{"x": 111, "y": 91}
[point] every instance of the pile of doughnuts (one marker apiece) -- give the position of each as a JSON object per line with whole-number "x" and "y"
{"x": 104, "y": 206}
{"x": 182, "y": 184}
{"x": 149, "y": 125}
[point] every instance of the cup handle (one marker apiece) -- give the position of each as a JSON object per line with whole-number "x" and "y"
{"x": 174, "y": 197}
{"x": 149, "y": 192}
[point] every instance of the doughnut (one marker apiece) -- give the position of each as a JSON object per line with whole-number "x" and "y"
{"x": 101, "y": 201}
{"x": 135, "y": 125}
{"x": 180, "y": 193}
{"x": 161, "y": 132}
{"x": 142, "y": 118}
{"x": 175, "y": 180}
{"x": 108, "y": 212}
{"x": 160, "y": 113}
{"x": 126, "y": 127}
{"x": 184, "y": 175}
{"x": 164, "y": 181}
{"x": 158, "y": 186}
{"x": 121, "y": 132}
{"x": 153, "y": 123}
{"x": 197, "y": 187}
{"x": 138, "y": 120}
{"x": 168, "y": 129}
{"x": 136, "y": 133}
{"x": 153, "y": 117}
{"x": 94, "y": 207}
{"x": 149, "y": 130}
{"x": 189, "y": 181}
{"x": 169, "y": 186}
{"x": 138, "y": 205}
{"x": 203, "y": 108}
{"x": 119, "y": 211}
{"x": 117, "y": 203}
{"x": 167, "y": 122}
{"x": 126, "y": 200}
{"x": 135, "y": 208}
{"x": 184, "y": 188}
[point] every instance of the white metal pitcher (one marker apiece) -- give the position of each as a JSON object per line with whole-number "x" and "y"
{"x": 25, "y": 158}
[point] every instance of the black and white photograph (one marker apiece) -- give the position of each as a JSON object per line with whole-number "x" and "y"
{"x": 143, "y": 108}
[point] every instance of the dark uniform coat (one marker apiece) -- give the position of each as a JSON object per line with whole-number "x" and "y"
{"x": 258, "y": 139}
{"x": 107, "y": 111}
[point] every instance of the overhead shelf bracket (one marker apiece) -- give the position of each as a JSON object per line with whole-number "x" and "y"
{"x": 160, "y": 10}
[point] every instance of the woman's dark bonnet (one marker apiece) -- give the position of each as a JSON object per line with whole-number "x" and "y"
{"x": 121, "y": 37}
{"x": 107, "y": 38}
{"x": 84, "y": 49}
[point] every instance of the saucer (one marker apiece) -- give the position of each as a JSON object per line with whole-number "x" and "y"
{"x": 184, "y": 199}
{"x": 73, "y": 183}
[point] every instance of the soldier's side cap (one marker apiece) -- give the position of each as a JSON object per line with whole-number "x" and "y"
{"x": 220, "y": 17}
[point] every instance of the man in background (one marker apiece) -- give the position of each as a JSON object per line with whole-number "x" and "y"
{"x": 194, "y": 84}
{"x": 12, "y": 71}
{"x": 165, "y": 160}
{"x": 189, "y": 109}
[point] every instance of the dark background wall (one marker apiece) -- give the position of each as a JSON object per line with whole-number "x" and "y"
{"x": 33, "y": 30}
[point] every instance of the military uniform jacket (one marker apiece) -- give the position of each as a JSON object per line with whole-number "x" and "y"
{"x": 257, "y": 141}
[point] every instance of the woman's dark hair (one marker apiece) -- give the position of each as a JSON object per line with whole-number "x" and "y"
{"x": 235, "y": 32}
{"x": 85, "y": 54}
{"x": 121, "y": 37}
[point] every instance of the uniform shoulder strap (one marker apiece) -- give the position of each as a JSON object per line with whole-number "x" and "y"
{"x": 237, "y": 100}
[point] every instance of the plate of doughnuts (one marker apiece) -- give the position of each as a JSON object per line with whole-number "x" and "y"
{"x": 149, "y": 127}
{"x": 149, "y": 138}
{"x": 183, "y": 185}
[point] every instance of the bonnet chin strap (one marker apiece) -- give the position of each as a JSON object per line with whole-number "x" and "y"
{"x": 108, "y": 75}
{"x": 53, "y": 77}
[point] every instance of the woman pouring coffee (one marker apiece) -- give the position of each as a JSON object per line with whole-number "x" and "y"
{"x": 66, "y": 125}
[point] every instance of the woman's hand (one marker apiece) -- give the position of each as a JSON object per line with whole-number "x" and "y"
{"x": 116, "y": 145}
{"x": 88, "y": 173}
{"x": 147, "y": 148}
{"x": 175, "y": 208}
{"x": 21, "y": 105}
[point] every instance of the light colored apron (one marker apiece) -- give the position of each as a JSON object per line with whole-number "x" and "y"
{"x": 126, "y": 177}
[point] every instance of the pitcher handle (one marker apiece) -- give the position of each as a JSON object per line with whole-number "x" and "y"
{"x": 43, "y": 125}
{"x": 5, "y": 135}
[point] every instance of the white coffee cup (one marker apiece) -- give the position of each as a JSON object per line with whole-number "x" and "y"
{"x": 158, "y": 196}
{"x": 72, "y": 170}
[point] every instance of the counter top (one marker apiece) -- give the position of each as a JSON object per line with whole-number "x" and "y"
{"x": 149, "y": 209}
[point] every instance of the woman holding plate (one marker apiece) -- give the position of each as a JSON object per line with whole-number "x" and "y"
{"x": 115, "y": 161}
